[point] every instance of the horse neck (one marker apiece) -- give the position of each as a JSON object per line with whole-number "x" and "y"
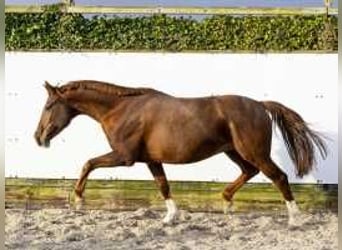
{"x": 90, "y": 105}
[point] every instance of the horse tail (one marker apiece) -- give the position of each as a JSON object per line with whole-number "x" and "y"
{"x": 299, "y": 139}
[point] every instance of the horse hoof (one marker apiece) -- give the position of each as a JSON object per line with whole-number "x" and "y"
{"x": 293, "y": 224}
{"x": 298, "y": 220}
{"x": 169, "y": 218}
{"x": 168, "y": 221}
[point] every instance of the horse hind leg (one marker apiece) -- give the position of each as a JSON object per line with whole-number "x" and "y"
{"x": 266, "y": 165}
{"x": 159, "y": 175}
{"x": 248, "y": 172}
{"x": 279, "y": 178}
{"x": 253, "y": 144}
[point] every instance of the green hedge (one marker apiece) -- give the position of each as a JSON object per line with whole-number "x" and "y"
{"x": 53, "y": 30}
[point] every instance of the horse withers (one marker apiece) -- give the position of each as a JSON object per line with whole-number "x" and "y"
{"x": 149, "y": 126}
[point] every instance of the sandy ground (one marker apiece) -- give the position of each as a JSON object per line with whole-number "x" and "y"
{"x": 143, "y": 229}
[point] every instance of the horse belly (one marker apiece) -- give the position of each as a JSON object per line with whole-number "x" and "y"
{"x": 203, "y": 152}
{"x": 190, "y": 133}
{"x": 185, "y": 149}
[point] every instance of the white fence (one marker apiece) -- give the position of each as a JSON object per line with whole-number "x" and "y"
{"x": 306, "y": 83}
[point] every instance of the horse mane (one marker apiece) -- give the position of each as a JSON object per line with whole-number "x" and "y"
{"x": 105, "y": 88}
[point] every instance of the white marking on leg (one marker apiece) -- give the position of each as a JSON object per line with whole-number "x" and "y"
{"x": 171, "y": 211}
{"x": 293, "y": 212}
{"x": 228, "y": 209}
{"x": 79, "y": 203}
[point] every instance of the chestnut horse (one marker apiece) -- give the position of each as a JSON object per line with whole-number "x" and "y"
{"x": 146, "y": 125}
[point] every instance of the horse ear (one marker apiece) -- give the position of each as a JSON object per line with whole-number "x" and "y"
{"x": 50, "y": 89}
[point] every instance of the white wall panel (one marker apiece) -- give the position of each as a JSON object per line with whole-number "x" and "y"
{"x": 306, "y": 83}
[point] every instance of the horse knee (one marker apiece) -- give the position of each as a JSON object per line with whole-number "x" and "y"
{"x": 88, "y": 167}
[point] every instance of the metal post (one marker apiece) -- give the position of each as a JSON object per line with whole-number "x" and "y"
{"x": 327, "y": 4}
{"x": 328, "y": 33}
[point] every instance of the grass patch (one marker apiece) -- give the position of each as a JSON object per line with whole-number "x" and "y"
{"x": 194, "y": 196}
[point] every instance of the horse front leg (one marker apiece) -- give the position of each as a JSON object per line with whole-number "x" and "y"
{"x": 158, "y": 173}
{"x": 112, "y": 159}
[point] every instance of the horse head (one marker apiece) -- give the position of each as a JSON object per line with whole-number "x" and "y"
{"x": 56, "y": 115}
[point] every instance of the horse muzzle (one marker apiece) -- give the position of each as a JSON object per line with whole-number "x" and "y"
{"x": 42, "y": 142}
{"x": 43, "y": 136}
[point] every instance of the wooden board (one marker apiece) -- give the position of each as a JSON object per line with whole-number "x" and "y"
{"x": 174, "y": 10}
